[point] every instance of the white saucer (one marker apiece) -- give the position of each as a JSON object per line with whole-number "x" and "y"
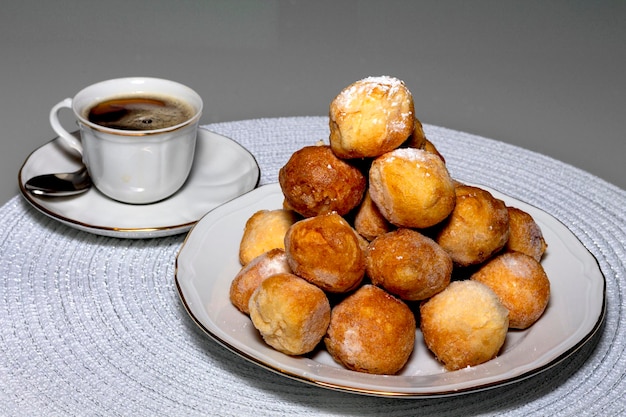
{"x": 222, "y": 170}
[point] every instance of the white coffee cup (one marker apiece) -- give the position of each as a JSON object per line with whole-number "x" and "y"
{"x": 129, "y": 165}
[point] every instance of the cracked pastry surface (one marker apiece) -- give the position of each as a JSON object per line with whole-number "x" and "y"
{"x": 326, "y": 251}
{"x": 370, "y": 117}
{"x": 411, "y": 188}
{"x": 291, "y": 314}
{"x": 477, "y": 228}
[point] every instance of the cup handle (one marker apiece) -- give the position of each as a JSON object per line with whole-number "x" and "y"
{"x": 68, "y": 140}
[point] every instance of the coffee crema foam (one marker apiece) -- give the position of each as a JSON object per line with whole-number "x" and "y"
{"x": 140, "y": 112}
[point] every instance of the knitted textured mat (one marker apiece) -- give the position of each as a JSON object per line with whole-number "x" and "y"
{"x": 91, "y": 325}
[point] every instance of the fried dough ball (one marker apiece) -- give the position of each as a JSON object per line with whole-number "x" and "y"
{"x": 371, "y": 331}
{"x": 524, "y": 234}
{"x": 521, "y": 284}
{"x": 411, "y": 188}
{"x": 250, "y": 276}
{"x": 430, "y": 147}
{"x": 314, "y": 181}
{"x": 418, "y": 138}
{"x": 408, "y": 264}
{"x": 368, "y": 221}
{"x": 264, "y": 230}
{"x": 464, "y": 325}
{"x": 326, "y": 251}
{"x": 370, "y": 117}
{"x": 291, "y": 314}
{"x": 477, "y": 228}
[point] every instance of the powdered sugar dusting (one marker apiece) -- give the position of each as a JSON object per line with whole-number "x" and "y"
{"x": 520, "y": 267}
{"x": 272, "y": 266}
{"x": 353, "y": 94}
{"x": 409, "y": 154}
{"x": 384, "y": 79}
{"x": 351, "y": 345}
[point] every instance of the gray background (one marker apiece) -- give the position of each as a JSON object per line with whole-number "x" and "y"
{"x": 544, "y": 75}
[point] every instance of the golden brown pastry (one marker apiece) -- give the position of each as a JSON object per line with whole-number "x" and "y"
{"x": 326, "y": 251}
{"x": 369, "y": 222}
{"x": 521, "y": 284}
{"x": 418, "y": 138}
{"x": 524, "y": 234}
{"x": 477, "y": 228}
{"x": 411, "y": 188}
{"x": 371, "y": 331}
{"x": 370, "y": 117}
{"x": 430, "y": 147}
{"x": 408, "y": 264}
{"x": 291, "y": 314}
{"x": 250, "y": 276}
{"x": 464, "y": 325}
{"x": 314, "y": 181}
{"x": 264, "y": 230}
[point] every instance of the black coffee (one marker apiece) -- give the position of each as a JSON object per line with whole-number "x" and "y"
{"x": 140, "y": 112}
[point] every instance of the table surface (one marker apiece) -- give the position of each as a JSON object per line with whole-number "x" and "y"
{"x": 93, "y": 325}
{"x": 546, "y": 77}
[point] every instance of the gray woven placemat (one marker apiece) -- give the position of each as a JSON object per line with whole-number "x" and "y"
{"x": 91, "y": 325}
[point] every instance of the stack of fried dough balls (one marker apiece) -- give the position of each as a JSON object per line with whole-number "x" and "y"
{"x": 376, "y": 240}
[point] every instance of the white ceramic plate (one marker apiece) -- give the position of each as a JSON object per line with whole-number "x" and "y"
{"x": 208, "y": 261}
{"x": 222, "y": 170}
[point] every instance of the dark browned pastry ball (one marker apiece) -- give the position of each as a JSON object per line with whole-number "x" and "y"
{"x": 371, "y": 331}
{"x": 314, "y": 181}
{"x": 477, "y": 228}
{"x": 370, "y": 117}
{"x": 408, "y": 264}
{"x": 291, "y": 314}
{"x": 326, "y": 251}
{"x": 525, "y": 234}
{"x": 521, "y": 284}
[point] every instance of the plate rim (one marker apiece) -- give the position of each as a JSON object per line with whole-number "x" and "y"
{"x": 578, "y": 345}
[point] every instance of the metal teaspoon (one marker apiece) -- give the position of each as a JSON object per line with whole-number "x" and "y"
{"x": 60, "y": 185}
